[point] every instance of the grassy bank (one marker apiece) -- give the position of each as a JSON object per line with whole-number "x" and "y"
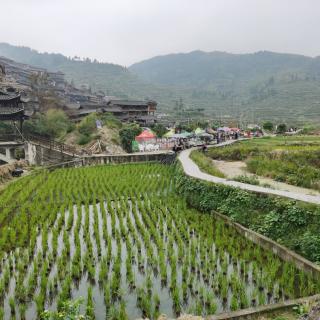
{"x": 205, "y": 164}
{"x": 293, "y": 160}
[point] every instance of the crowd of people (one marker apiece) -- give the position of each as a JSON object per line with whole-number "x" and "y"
{"x": 184, "y": 140}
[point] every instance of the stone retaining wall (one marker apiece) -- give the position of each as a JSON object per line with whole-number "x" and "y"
{"x": 283, "y": 252}
{"x": 110, "y": 159}
{"x": 123, "y": 158}
{"x": 39, "y": 155}
{"x": 253, "y": 313}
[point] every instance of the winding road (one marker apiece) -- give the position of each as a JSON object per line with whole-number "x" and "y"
{"x": 191, "y": 169}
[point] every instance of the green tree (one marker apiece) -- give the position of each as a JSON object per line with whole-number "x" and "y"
{"x": 57, "y": 122}
{"x": 127, "y": 135}
{"x": 110, "y": 121}
{"x": 268, "y": 125}
{"x": 159, "y": 129}
{"x": 282, "y": 128}
{"x": 54, "y": 123}
{"x": 87, "y": 126}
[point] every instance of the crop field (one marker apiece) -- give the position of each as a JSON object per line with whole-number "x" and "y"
{"x": 121, "y": 237}
{"x": 291, "y": 159}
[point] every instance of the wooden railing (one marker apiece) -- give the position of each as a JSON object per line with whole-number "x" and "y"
{"x": 51, "y": 144}
{"x": 9, "y": 137}
{"x": 45, "y": 141}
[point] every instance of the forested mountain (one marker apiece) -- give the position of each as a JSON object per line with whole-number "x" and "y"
{"x": 263, "y": 84}
{"x": 203, "y": 69}
{"x": 248, "y": 87}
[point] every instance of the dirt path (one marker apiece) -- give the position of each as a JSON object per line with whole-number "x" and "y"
{"x": 232, "y": 169}
{"x": 192, "y": 170}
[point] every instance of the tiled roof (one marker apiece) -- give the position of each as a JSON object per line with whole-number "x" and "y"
{"x": 7, "y": 97}
{"x": 130, "y": 102}
{"x": 7, "y": 110}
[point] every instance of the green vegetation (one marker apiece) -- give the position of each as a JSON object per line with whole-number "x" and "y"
{"x": 268, "y": 125}
{"x": 247, "y": 179}
{"x": 205, "y": 164}
{"x": 311, "y": 129}
{"x": 291, "y": 223}
{"x": 282, "y": 128}
{"x": 159, "y": 130}
{"x": 260, "y": 86}
{"x": 53, "y": 123}
{"x": 86, "y": 130}
{"x": 123, "y": 238}
{"x": 88, "y": 124}
{"x": 70, "y": 310}
{"x": 127, "y": 135}
{"x": 110, "y": 121}
{"x": 291, "y": 159}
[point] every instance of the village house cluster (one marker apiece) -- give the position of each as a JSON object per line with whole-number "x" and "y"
{"x": 30, "y": 82}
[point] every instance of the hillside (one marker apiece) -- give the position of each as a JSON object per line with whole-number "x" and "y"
{"x": 245, "y": 87}
{"x": 259, "y": 85}
{"x": 202, "y": 69}
{"x": 113, "y": 79}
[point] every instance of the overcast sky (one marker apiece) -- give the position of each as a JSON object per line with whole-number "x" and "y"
{"x": 128, "y": 31}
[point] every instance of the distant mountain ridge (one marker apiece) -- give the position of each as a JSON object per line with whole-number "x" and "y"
{"x": 249, "y": 87}
{"x": 257, "y": 86}
{"x": 190, "y": 68}
{"x": 101, "y": 76}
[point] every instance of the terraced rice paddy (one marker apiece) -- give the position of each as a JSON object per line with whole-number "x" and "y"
{"x": 120, "y": 237}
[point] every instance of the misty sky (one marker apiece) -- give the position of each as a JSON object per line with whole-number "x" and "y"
{"x": 127, "y": 31}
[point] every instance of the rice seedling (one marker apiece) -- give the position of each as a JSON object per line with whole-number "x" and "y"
{"x": 90, "y": 306}
{"x": 124, "y": 226}
{"x": 12, "y": 305}
{"x": 22, "y": 311}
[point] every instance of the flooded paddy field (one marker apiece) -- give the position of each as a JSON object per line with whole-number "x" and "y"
{"x": 121, "y": 238}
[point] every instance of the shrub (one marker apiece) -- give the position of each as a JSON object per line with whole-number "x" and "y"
{"x": 69, "y": 310}
{"x": 310, "y": 244}
{"x": 247, "y": 179}
{"x": 268, "y": 125}
{"x": 110, "y": 121}
{"x": 88, "y": 124}
{"x": 127, "y": 135}
{"x": 159, "y": 130}
{"x": 53, "y": 123}
{"x": 83, "y": 139}
{"x": 282, "y": 128}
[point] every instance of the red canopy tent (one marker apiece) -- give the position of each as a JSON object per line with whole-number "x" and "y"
{"x": 145, "y": 136}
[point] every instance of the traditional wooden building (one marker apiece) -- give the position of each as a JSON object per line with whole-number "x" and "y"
{"x": 11, "y": 108}
{"x": 132, "y": 110}
{"x": 125, "y": 110}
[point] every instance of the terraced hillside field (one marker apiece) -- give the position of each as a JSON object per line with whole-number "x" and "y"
{"x": 122, "y": 238}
